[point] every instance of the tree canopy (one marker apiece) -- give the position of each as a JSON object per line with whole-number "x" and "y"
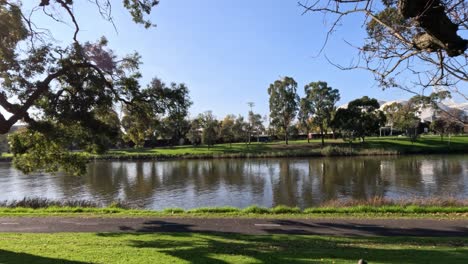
{"x": 361, "y": 118}
{"x": 320, "y": 101}
{"x": 423, "y": 39}
{"x": 283, "y": 104}
{"x": 59, "y": 90}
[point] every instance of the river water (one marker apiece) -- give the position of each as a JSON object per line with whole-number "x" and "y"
{"x": 300, "y": 182}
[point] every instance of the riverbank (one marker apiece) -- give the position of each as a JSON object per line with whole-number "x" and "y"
{"x": 301, "y": 148}
{"x": 372, "y": 208}
{"x": 280, "y": 212}
{"x": 373, "y": 146}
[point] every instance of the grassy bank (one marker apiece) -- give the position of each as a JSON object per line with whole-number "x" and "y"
{"x": 225, "y": 248}
{"x": 377, "y": 207}
{"x": 249, "y": 212}
{"x": 301, "y": 148}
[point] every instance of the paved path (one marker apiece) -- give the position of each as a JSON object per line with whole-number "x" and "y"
{"x": 337, "y": 226}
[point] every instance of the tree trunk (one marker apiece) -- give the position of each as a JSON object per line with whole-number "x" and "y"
{"x": 323, "y": 136}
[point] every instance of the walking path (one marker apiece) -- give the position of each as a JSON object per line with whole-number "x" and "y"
{"x": 330, "y": 226}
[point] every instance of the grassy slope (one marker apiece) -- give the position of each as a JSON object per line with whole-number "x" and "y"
{"x": 392, "y": 211}
{"x": 386, "y": 145}
{"x": 225, "y": 248}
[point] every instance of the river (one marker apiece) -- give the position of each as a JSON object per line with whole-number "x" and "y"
{"x": 302, "y": 182}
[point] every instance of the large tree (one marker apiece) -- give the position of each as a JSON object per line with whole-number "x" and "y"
{"x": 304, "y": 117}
{"x": 360, "y": 118}
{"x": 57, "y": 87}
{"x": 283, "y": 104}
{"x": 404, "y": 117}
{"x": 177, "y": 109}
{"x": 161, "y": 109}
{"x": 421, "y": 38}
{"x": 210, "y": 128}
{"x": 449, "y": 122}
{"x": 255, "y": 125}
{"x": 321, "y": 100}
{"x": 226, "y": 132}
{"x": 240, "y": 129}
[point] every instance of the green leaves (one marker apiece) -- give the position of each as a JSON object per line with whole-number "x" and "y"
{"x": 319, "y": 105}
{"x": 283, "y": 103}
{"x": 34, "y": 151}
{"x": 361, "y": 118}
{"x": 138, "y": 10}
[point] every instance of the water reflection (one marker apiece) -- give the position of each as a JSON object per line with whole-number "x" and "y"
{"x": 240, "y": 183}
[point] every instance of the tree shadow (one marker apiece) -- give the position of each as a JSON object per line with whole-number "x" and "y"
{"x": 9, "y": 257}
{"x": 205, "y": 246}
{"x": 352, "y": 229}
{"x": 158, "y": 226}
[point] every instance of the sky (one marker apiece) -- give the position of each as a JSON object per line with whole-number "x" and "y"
{"x": 228, "y": 52}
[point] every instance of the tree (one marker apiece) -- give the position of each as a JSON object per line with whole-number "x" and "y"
{"x": 226, "y": 132}
{"x": 255, "y": 125}
{"x": 448, "y": 122}
{"x": 304, "y": 117}
{"x": 177, "y": 103}
{"x": 421, "y": 38}
{"x": 321, "y": 100}
{"x": 210, "y": 128}
{"x": 194, "y": 134}
{"x": 110, "y": 119}
{"x": 64, "y": 84}
{"x": 143, "y": 117}
{"x": 283, "y": 104}
{"x": 139, "y": 124}
{"x": 361, "y": 118}
{"x": 343, "y": 122}
{"x": 239, "y": 129}
{"x": 3, "y": 144}
{"x": 404, "y": 116}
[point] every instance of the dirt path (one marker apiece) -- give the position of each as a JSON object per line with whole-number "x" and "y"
{"x": 338, "y": 227}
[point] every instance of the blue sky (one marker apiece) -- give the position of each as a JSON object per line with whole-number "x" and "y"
{"x": 228, "y": 52}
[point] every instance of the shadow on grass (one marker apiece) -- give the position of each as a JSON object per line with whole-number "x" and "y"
{"x": 204, "y": 246}
{"x": 9, "y": 257}
{"x": 234, "y": 248}
{"x": 423, "y": 145}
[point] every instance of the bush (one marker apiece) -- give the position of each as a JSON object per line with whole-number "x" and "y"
{"x": 254, "y": 209}
{"x": 281, "y": 209}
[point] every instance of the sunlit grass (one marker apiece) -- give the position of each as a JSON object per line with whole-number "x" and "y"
{"x": 376, "y": 207}
{"x": 225, "y": 248}
{"x": 372, "y": 146}
{"x": 295, "y": 148}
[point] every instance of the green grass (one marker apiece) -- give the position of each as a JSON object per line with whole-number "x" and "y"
{"x": 225, "y": 248}
{"x": 372, "y": 146}
{"x": 297, "y": 148}
{"x": 361, "y": 211}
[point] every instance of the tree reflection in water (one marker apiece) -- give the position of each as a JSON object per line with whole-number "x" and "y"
{"x": 243, "y": 182}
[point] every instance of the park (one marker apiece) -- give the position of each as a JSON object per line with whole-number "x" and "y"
{"x": 233, "y": 132}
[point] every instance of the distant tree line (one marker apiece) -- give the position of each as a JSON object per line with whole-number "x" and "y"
{"x": 160, "y": 117}
{"x": 317, "y": 113}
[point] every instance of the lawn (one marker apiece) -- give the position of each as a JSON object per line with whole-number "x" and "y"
{"x": 225, "y": 248}
{"x": 373, "y": 145}
{"x": 296, "y": 148}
